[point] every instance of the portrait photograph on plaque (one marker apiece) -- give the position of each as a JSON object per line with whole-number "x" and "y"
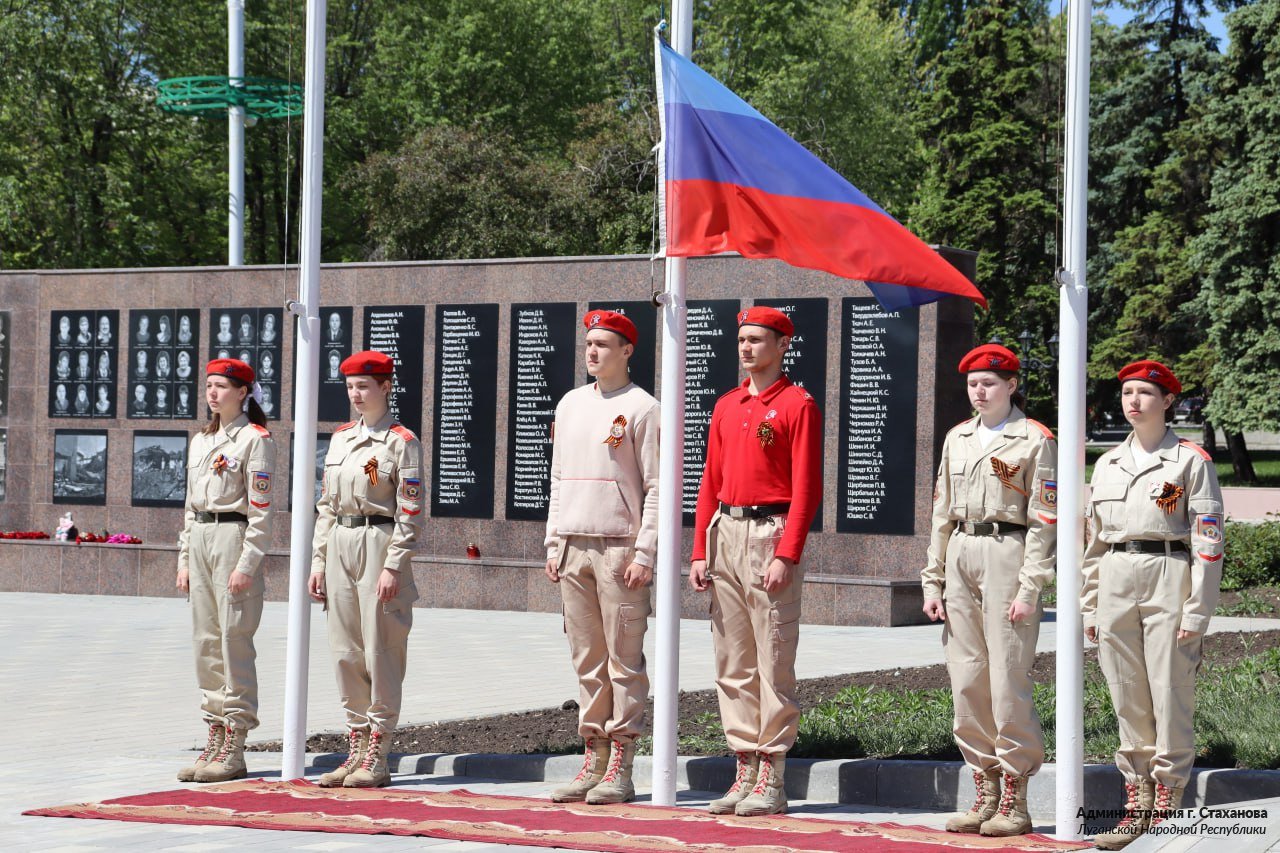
{"x": 322, "y": 448}
{"x": 5, "y": 332}
{"x": 335, "y": 346}
{"x": 4, "y": 460}
{"x": 82, "y": 357}
{"x": 400, "y": 332}
{"x": 711, "y": 369}
{"x": 254, "y": 336}
{"x": 543, "y": 352}
{"x": 164, "y": 357}
{"x": 879, "y": 376}
{"x": 466, "y": 401}
{"x": 80, "y": 466}
{"x": 644, "y": 360}
{"x": 160, "y": 467}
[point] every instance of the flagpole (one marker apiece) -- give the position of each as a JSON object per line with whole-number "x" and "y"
{"x": 306, "y": 397}
{"x": 666, "y": 685}
{"x": 1072, "y": 336}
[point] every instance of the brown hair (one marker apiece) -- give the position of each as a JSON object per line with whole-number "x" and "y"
{"x": 254, "y": 411}
{"x": 1017, "y": 397}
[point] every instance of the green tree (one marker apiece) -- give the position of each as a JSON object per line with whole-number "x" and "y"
{"x": 1238, "y": 252}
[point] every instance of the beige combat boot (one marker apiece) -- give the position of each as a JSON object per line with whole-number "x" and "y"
{"x": 228, "y": 764}
{"x": 743, "y": 781}
{"x": 768, "y": 795}
{"x": 1138, "y": 802}
{"x": 358, "y": 742}
{"x": 984, "y": 804}
{"x": 216, "y": 733}
{"x": 595, "y": 762}
{"x": 1011, "y": 816}
{"x": 616, "y": 786}
{"x": 1167, "y": 802}
{"x": 372, "y": 771}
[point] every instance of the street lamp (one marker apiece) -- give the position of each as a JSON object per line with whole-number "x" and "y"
{"x": 1026, "y": 339}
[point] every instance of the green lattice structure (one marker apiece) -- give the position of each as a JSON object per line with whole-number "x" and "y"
{"x": 261, "y": 97}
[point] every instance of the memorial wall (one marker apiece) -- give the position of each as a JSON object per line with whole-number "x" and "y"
{"x": 91, "y": 360}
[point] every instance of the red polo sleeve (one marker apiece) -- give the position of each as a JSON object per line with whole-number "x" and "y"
{"x": 806, "y": 479}
{"x": 709, "y": 490}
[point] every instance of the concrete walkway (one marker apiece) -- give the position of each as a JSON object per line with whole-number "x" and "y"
{"x": 99, "y": 701}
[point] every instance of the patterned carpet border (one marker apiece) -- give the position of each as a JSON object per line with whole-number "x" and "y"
{"x": 462, "y": 815}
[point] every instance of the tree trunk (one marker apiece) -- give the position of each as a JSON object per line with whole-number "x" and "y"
{"x": 1240, "y": 460}
{"x": 1210, "y": 438}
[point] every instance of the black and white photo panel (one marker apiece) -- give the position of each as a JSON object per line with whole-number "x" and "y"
{"x": 164, "y": 363}
{"x": 5, "y": 332}
{"x": 80, "y": 466}
{"x": 160, "y": 468}
{"x": 83, "y": 363}
{"x": 254, "y": 336}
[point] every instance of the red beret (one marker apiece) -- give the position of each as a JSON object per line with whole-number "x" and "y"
{"x": 233, "y": 367}
{"x": 613, "y": 321}
{"x": 367, "y": 363}
{"x": 989, "y": 357}
{"x": 1151, "y": 371}
{"x": 770, "y": 318}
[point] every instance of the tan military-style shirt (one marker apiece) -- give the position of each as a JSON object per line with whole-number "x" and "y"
{"x": 372, "y": 470}
{"x": 1013, "y": 479}
{"x": 1173, "y": 497}
{"x": 232, "y": 471}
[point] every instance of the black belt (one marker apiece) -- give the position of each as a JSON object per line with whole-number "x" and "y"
{"x": 758, "y": 511}
{"x": 364, "y": 520}
{"x": 990, "y": 528}
{"x": 1149, "y": 546}
{"x": 217, "y": 517}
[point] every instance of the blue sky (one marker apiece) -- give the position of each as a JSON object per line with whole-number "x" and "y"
{"x": 1212, "y": 22}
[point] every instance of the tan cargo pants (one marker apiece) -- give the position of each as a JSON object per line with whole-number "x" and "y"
{"x": 1151, "y": 674}
{"x": 605, "y": 623}
{"x": 223, "y": 626}
{"x": 368, "y": 638}
{"x": 989, "y": 658}
{"x": 755, "y": 634}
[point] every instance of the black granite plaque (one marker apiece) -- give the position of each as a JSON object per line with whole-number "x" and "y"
{"x": 878, "y": 396}
{"x": 165, "y": 374}
{"x": 5, "y": 332}
{"x": 399, "y": 331}
{"x": 644, "y": 359}
{"x": 543, "y": 335}
{"x": 80, "y": 342}
{"x": 316, "y": 472}
{"x": 335, "y": 346}
{"x": 254, "y": 336}
{"x": 711, "y": 369}
{"x": 806, "y": 360}
{"x": 466, "y": 402}
{"x": 4, "y": 460}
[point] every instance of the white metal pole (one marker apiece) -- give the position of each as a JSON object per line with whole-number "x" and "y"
{"x": 307, "y": 379}
{"x": 235, "y": 136}
{"x": 666, "y": 683}
{"x": 1073, "y": 320}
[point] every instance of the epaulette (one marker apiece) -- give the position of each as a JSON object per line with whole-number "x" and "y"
{"x": 1204, "y": 454}
{"x": 1048, "y": 433}
{"x": 347, "y": 425}
{"x": 403, "y": 431}
{"x": 262, "y": 431}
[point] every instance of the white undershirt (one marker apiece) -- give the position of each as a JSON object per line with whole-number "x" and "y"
{"x": 1141, "y": 458}
{"x": 987, "y": 434}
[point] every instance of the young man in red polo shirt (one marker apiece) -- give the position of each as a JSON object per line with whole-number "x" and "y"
{"x": 760, "y": 490}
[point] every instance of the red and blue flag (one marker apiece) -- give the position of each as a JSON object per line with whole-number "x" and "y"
{"x": 731, "y": 181}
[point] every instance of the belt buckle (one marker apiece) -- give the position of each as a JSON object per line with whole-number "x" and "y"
{"x": 1133, "y": 547}
{"x": 739, "y": 511}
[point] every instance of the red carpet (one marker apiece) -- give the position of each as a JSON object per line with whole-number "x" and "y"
{"x": 465, "y": 816}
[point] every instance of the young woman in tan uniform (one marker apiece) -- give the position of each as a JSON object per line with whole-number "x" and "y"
{"x": 1151, "y": 577}
{"x": 992, "y": 550}
{"x": 368, "y": 527}
{"x": 225, "y": 534}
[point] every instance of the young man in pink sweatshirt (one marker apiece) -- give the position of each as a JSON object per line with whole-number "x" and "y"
{"x": 602, "y": 532}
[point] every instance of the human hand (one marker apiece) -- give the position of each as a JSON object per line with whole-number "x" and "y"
{"x": 1091, "y": 634}
{"x": 1019, "y": 611}
{"x": 636, "y": 576}
{"x": 1184, "y": 634}
{"x": 184, "y": 580}
{"x": 698, "y": 576}
{"x": 238, "y": 582}
{"x": 935, "y": 610}
{"x": 315, "y": 585}
{"x": 778, "y": 576}
{"x": 552, "y": 570}
{"x": 388, "y": 585}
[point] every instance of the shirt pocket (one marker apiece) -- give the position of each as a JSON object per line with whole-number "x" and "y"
{"x": 1109, "y": 505}
{"x": 593, "y": 508}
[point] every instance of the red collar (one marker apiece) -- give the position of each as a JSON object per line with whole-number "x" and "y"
{"x": 780, "y": 385}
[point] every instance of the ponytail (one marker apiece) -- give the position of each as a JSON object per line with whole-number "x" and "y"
{"x": 254, "y": 412}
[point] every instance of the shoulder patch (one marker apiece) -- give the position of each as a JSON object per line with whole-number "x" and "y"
{"x": 1048, "y": 433}
{"x": 1191, "y": 445}
{"x": 347, "y": 425}
{"x": 800, "y": 390}
{"x": 404, "y": 432}
{"x": 263, "y": 431}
